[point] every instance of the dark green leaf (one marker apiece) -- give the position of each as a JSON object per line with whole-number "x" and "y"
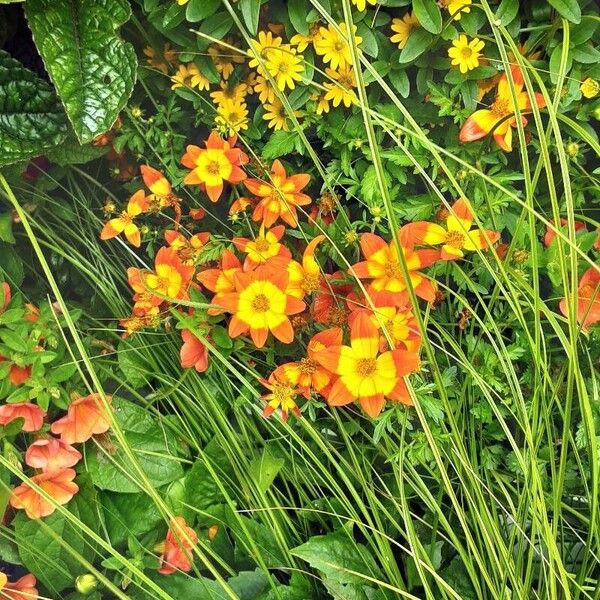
{"x": 200, "y": 9}
{"x": 507, "y": 11}
{"x": 31, "y": 117}
{"x": 264, "y": 469}
{"x": 569, "y": 9}
{"x": 369, "y": 41}
{"x": 416, "y": 44}
{"x": 280, "y": 143}
{"x": 6, "y": 234}
{"x": 297, "y": 11}
{"x": 132, "y": 364}
{"x": 250, "y": 13}
{"x": 429, "y": 15}
{"x": 586, "y": 54}
{"x": 248, "y": 585}
{"x": 91, "y": 67}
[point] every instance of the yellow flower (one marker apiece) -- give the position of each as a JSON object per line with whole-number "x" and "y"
{"x": 590, "y": 88}
{"x": 182, "y": 2}
{"x": 275, "y": 115}
{"x": 341, "y": 90}
{"x": 302, "y": 41}
{"x": 403, "y": 28}
{"x": 230, "y": 91}
{"x": 322, "y": 103}
{"x": 231, "y": 117}
{"x": 224, "y": 59}
{"x": 284, "y": 66}
{"x": 189, "y": 76}
{"x": 456, "y": 8}
{"x": 160, "y": 61}
{"x": 333, "y": 47}
{"x": 266, "y": 93}
{"x": 465, "y": 54}
{"x": 361, "y": 4}
{"x": 259, "y": 48}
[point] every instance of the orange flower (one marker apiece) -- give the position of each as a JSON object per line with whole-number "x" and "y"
{"x": 220, "y": 281}
{"x": 212, "y": 166}
{"x": 85, "y": 417}
{"x": 31, "y": 413}
{"x": 5, "y": 297}
{"x": 51, "y": 455}
{"x": 329, "y": 306}
{"x": 382, "y": 265}
{"x": 279, "y": 198}
{"x": 16, "y": 374}
{"x": 261, "y": 304}
{"x": 307, "y": 373}
{"x": 365, "y": 375}
{"x": 306, "y": 278}
{"x": 193, "y": 352}
{"x": 588, "y": 299}
{"x": 22, "y": 589}
{"x": 500, "y": 117}
{"x": 124, "y": 223}
{"x": 456, "y": 237}
{"x": 178, "y": 546}
{"x": 58, "y": 485}
{"x": 550, "y": 235}
{"x": 162, "y": 192}
{"x": 188, "y": 249}
{"x": 282, "y": 396}
{"x": 264, "y": 247}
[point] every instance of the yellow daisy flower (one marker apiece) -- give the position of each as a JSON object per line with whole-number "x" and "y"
{"x": 464, "y": 54}
{"x": 260, "y": 47}
{"x": 361, "y": 4}
{"x": 189, "y": 76}
{"x": 230, "y": 91}
{"x": 403, "y": 28}
{"x": 457, "y": 8}
{"x": 322, "y": 104}
{"x": 341, "y": 90}
{"x": 275, "y": 115}
{"x": 284, "y": 66}
{"x": 231, "y": 117}
{"x": 224, "y": 59}
{"x": 333, "y": 47}
{"x": 266, "y": 93}
{"x": 160, "y": 60}
{"x": 302, "y": 41}
{"x": 590, "y": 88}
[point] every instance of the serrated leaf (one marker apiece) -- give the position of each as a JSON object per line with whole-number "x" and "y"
{"x": 31, "y": 117}
{"x": 429, "y": 15}
{"x": 569, "y": 9}
{"x": 280, "y": 143}
{"x": 250, "y": 13}
{"x": 92, "y": 68}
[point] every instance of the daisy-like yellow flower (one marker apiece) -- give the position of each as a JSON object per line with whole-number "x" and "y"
{"x": 160, "y": 60}
{"x": 589, "y": 88}
{"x": 341, "y": 90}
{"x": 402, "y": 29}
{"x": 189, "y": 76}
{"x": 333, "y": 47}
{"x": 260, "y": 47}
{"x": 232, "y": 117}
{"x": 361, "y": 4}
{"x": 224, "y": 59}
{"x": 275, "y": 116}
{"x": 302, "y": 41}
{"x": 322, "y": 104}
{"x": 235, "y": 92}
{"x": 284, "y": 66}
{"x": 182, "y": 2}
{"x": 266, "y": 93}
{"x": 464, "y": 54}
{"x": 457, "y": 8}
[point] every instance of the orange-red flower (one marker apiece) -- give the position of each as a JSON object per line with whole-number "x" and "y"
{"x": 280, "y": 197}
{"x": 265, "y": 246}
{"x": 456, "y": 237}
{"x": 188, "y": 249}
{"x": 282, "y": 394}
{"x": 212, "y": 166}
{"x": 124, "y": 223}
{"x": 162, "y": 192}
{"x": 365, "y": 375}
{"x": 193, "y": 352}
{"x": 261, "y": 304}
{"x": 22, "y": 589}
{"x": 307, "y": 374}
{"x": 500, "y": 118}
{"x": 329, "y": 304}
{"x": 31, "y": 413}
{"x": 177, "y": 547}
{"x": 382, "y": 266}
{"x": 16, "y": 374}
{"x": 5, "y": 296}
{"x": 550, "y": 234}
{"x": 51, "y": 455}
{"x": 306, "y": 278}
{"x": 59, "y": 485}
{"x": 588, "y": 299}
{"x": 85, "y": 417}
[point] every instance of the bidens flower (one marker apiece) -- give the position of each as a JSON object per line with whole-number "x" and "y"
{"x": 284, "y": 66}
{"x": 362, "y": 4}
{"x": 22, "y": 589}
{"x": 220, "y": 281}
{"x": 341, "y": 90}
{"x": 402, "y": 29}
{"x": 590, "y": 88}
{"x": 457, "y": 8}
{"x": 85, "y": 417}
{"x": 170, "y": 278}
{"x": 465, "y": 54}
{"x": 333, "y": 47}
{"x": 282, "y": 394}
{"x": 588, "y": 299}
{"x": 177, "y": 548}
{"x": 193, "y": 352}
{"x": 124, "y": 223}
{"x": 265, "y": 246}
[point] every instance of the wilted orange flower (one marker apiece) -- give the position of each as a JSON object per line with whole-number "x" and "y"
{"x": 85, "y": 417}
{"x": 382, "y": 265}
{"x": 124, "y": 223}
{"x": 212, "y": 166}
{"x": 455, "y": 238}
{"x": 365, "y": 375}
{"x": 307, "y": 374}
{"x": 500, "y": 117}
{"x": 22, "y": 589}
{"x": 261, "y": 304}
{"x": 5, "y": 296}
{"x": 588, "y": 299}
{"x": 188, "y": 249}
{"x": 51, "y": 455}
{"x": 177, "y": 548}
{"x": 550, "y": 235}
{"x": 282, "y": 396}
{"x": 16, "y": 374}
{"x": 31, "y": 413}
{"x": 161, "y": 60}
{"x": 329, "y": 304}
{"x": 220, "y": 281}
{"x": 193, "y": 352}
{"x": 305, "y": 278}
{"x": 59, "y": 485}
{"x": 265, "y": 246}
{"x": 279, "y": 198}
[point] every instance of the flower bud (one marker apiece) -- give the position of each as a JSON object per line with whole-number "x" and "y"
{"x": 86, "y": 584}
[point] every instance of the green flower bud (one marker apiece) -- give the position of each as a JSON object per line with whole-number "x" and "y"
{"x": 86, "y": 584}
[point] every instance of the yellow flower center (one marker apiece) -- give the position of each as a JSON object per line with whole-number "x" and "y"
{"x": 338, "y": 46}
{"x": 260, "y": 303}
{"x": 455, "y": 239}
{"x": 282, "y": 68}
{"x": 261, "y": 245}
{"x": 346, "y": 81}
{"x": 126, "y": 218}
{"x": 365, "y": 367}
{"x": 311, "y": 282}
{"x": 282, "y": 393}
{"x": 500, "y": 108}
{"x": 307, "y": 366}
{"x": 466, "y": 52}
{"x": 392, "y": 269}
{"x": 213, "y": 167}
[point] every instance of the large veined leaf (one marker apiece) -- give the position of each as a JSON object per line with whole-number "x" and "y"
{"x": 92, "y": 68}
{"x": 31, "y": 117}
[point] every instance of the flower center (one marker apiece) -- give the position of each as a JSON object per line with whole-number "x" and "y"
{"x": 282, "y": 393}
{"x": 282, "y": 68}
{"x": 346, "y": 81}
{"x": 392, "y": 269}
{"x": 338, "y": 316}
{"x": 261, "y": 245}
{"x": 213, "y": 167}
{"x": 466, "y": 52}
{"x": 126, "y": 217}
{"x": 311, "y": 282}
{"x": 338, "y": 46}
{"x": 260, "y": 303}
{"x": 365, "y": 367}
{"x": 307, "y": 366}
{"x": 500, "y": 108}
{"x": 455, "y": 239}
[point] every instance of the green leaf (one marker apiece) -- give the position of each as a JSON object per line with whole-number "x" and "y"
{"x": 131, "y": 363}
{"x": 180, "y": 585}
{"x": 416, "y": 44}
{"x": 92, "y": 68}
{"x": 248, "y": 585}
{"x": 11, "y": 265}
{"x": 297, "y": 11}
{"x": 569, "y": 9}
{"x": 14, "y": 341}
{"x": 71, "y": 152}
{"x": 586, "y": 54}
{"x": 250, "y": 13}
{"x": 6, "y": 234}
{"x": 280, "y": 143}
{"x": 31, "y": 117}
{"x": 369, "y": 41}
{"x": 429, "y": 15}
{"x": 264, "y": 469}
{"x": 507, "y": 11}
{"x": 200, "y": 9}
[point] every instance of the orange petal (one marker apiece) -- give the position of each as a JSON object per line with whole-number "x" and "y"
{"x": 372, "y": 405}
{"x": 339, "y": 395}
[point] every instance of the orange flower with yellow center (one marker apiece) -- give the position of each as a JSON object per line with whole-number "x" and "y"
{"x": 188, "y": 249}
{"x": 282, "y": 394}
{"x": 261, "y": 304}
{"x": 212, "y": 166}
{"x": 162, "y": 193}
{"x": 382, "y": 265}
{"x": 264, "y": 247}
{"x": 456, "y": 237}
{"x": 124, "y": 223}
{"x": 279, "y": 198}
{"x": 500, "y": 118}
{"x": 329, "y": 305}
{"x": 220, "y": 281}
{"x": 305, "y": 278}
{"x": 365, "y": 375}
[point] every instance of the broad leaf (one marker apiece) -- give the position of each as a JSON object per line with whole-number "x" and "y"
{"x": 297, "y": 11}
{"x": 92, "y": 68}
{"x": 569, "y": 9}
{"x": 31, "y": 117}
{"x": 264, "y": 469}
{"x": 250, "y": 13}
{"x": 429, "y": 15}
